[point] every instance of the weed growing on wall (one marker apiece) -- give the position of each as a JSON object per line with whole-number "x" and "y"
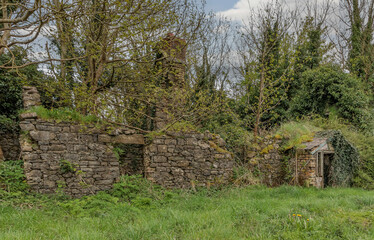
{"x": 67, "y": 166}
{"x": 62, "y": 114}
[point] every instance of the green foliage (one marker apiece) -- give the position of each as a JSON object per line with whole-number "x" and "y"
{"x": 96, "y": 205}
{"x": 10, "y": 84}
{"x": 8, "y": 124}
{"x": 67, "y": 166}
{"x": 328, "y": 90}
{"x": 12, "y": 177}
{"x": 364, "y": 142}
{"x": 118, "y": 151}
{"x": 230, "y": 127}
{"x": 62, "y": 114}
{"x": 346, "y": 159}
{"x": 243, "y": 176}
{"x": 140, "y": 192}
{"x": 182, "y": 126}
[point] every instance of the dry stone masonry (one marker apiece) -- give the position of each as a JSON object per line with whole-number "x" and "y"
{"x": 83, "y": 159}
{"x": 68, "y": 157}
{"x": 185, "y": 159}
{"x": 267, "y": 160}
{"x": 30, "y": 97}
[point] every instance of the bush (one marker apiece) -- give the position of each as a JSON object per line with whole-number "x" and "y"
{"x": 327, "y": 90}
{"x": 230, "y": 128}
{"x": 139, "y": 191}
{"x": 12, "y": 177}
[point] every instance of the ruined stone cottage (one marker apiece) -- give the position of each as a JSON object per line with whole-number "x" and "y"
{"x": 80, "y": 159}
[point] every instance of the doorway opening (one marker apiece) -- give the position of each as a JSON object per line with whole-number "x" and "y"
{"x": 323, "y": 168}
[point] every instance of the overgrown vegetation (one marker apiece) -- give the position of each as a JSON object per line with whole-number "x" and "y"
{"x": 286, "y": 73}
{"x": 346, "y": 159}
{"x": 62, "y": 114}
{"x": 295, "y": 133}
{"x": 236, "y": 213}
{"x": 12, "y": 178}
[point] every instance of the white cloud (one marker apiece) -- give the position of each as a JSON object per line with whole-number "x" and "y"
{"x": 241, "y": 10}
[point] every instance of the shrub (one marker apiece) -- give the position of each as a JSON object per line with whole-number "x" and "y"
{"x": 328, "y": 90}
{"x": 139, "y": 191}
{"x": 12, "y": 178}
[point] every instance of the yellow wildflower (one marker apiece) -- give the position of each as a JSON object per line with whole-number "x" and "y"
{"x": 294, "y": 215}
{"x": 298, "y": 215}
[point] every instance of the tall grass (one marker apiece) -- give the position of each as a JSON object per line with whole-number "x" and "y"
{"x": 239, "y": 213}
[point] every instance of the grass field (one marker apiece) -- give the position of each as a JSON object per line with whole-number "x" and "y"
{"x": 236, "y": 213}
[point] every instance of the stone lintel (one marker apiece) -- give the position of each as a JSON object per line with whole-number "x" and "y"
{"x": 129, "y": 139}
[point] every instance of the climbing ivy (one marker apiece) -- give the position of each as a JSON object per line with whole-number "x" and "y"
{"x": 346, "y": 158}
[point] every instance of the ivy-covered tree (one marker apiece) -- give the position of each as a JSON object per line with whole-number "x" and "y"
{"x": 328, "y": 90}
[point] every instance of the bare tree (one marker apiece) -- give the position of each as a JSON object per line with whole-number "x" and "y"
{"x": 20, "y": 23}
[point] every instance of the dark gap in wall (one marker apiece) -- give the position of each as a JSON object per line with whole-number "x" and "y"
{"x": 9, "y": 143}
{"x": 130, "y": 158}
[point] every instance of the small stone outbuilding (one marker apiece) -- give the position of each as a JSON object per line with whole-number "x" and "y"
{"x": 312, "y": 163}
{"x": 328, "y": 160}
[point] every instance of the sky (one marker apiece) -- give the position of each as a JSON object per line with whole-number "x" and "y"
{"x": 238, "y": 9}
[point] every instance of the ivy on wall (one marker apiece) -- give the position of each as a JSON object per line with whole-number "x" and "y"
{"x": 346, "y": 158}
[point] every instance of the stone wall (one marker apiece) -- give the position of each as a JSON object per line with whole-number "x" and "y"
{"x": 9, "y": 144}
{"x": 184, "y": 159}
{"x": 30, "y": 97}
{"x": 306, "y": 168}
{"x": 266, "y": 159}
{"x": 78, "y": 160}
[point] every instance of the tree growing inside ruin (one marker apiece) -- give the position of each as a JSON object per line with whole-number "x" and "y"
{"x": 265, "y": 63}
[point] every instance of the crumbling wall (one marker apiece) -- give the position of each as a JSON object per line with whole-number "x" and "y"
{"x": 266, "y": 160}
{"x": 30, "y": 97}
{"x": 81, "y": 159}
{"x": 181, "y": 160}
{"x": 66, "y": 157}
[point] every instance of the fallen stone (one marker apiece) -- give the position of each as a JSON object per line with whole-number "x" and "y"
{"x": 28, "y": 115}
